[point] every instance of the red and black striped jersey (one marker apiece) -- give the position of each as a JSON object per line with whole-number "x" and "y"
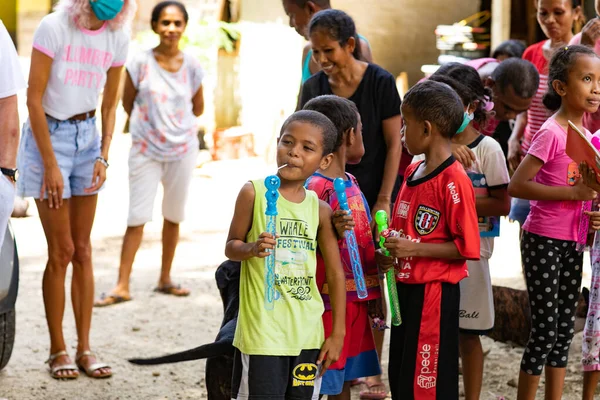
{"x": 437, "y": 208}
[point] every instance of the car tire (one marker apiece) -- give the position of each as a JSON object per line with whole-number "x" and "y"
{"x": 7, "y": 336}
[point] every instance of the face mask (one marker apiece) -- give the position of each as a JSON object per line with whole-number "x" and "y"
{"x": 106, "y": 10}
{"x": 467, "y": 118}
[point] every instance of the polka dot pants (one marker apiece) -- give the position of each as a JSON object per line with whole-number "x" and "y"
{"x": 553, "y": 276}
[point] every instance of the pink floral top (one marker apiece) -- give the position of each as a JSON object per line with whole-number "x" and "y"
{"x": 162, "y": 123}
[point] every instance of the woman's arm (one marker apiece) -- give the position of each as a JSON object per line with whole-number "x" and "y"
{"x": 198, "y": 102}
{"x": 39, "y": 74}
{"x": 129, "y": 94}
{"x": 522, "y": 185}
{"x": 391, "y": 135}
{"x": 514, "y": 142}
{"x": 110, "y": 100}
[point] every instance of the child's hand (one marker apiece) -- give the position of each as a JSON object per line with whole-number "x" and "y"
{"x": 343, "y": 221}
{"x": 400, "y": 247}
{"x": 594, "y": 219}
{"x": 463, "y": 154}
{"x": 330, "y": 351}
{"x": 588, "y": 175}
{"x": 582, "y": 192}
{"x": 375, "y": 309}
{"x": 385, "y": 262}
{"x": 265, "y": 242}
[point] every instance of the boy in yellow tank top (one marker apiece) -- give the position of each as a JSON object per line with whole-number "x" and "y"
{"x": 282, "y": 353}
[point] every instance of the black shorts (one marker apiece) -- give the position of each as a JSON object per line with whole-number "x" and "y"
{"x": 276, "y": 377}
{"x": 423, "y": 361}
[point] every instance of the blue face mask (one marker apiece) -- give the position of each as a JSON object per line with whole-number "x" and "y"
{"x": 105, "y": 10}
{"x": 467, "y": 118}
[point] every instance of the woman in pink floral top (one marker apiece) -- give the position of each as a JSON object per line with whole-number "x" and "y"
{"x": 163, "y": 96}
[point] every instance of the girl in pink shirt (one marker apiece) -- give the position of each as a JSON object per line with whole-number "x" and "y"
{"x": 549, "y": 178}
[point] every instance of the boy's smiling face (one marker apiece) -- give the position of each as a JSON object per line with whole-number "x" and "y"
{"x": 301, "y": 148}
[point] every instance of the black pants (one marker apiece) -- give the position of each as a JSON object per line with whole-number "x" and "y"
{"x": 553, "y": 276}
{"x": 276, "y": 377}
{"x": 424, "y": 348}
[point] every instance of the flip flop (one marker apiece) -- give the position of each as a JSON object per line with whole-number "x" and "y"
{"x": 357, "y": 381}
{"x": 89, "y": 371}
{"x": 369, "y": 395}
{"x": 174, "y": 290}
{"x": 110, "y": 299}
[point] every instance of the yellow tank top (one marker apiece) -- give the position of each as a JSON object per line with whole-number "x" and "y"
{"x": 295, "y": 322}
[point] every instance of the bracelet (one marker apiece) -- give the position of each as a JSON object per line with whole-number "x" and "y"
{"x": 103, "y": 161}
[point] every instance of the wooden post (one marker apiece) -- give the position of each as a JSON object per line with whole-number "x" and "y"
{"x": 500, "y": 22}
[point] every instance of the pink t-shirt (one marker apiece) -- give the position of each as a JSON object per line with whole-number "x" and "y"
{"x": 554, "y": 219}
{"x": 590, "y": 121}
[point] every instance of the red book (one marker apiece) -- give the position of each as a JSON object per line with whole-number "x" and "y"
{"x": 581, "y": 149}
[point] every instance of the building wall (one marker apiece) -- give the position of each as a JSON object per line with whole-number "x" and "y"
{"x": 401, "y": 32}
{"x": 29, "y": 12}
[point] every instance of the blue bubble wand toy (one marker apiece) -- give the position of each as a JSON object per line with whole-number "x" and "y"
{"x": 359, "y": 278}
{"x": 272, "y": 184}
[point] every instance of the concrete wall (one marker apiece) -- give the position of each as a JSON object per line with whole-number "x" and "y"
{"x": 401, "y": 32}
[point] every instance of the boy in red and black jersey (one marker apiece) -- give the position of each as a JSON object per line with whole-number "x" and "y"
{"x": 436, "y": 219}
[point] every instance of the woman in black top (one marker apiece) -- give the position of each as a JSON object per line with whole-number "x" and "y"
{"x": 333, "y": 38}
{"x": 334, "y": 43}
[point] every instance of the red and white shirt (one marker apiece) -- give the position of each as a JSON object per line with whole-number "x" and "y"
{"x": 437, "y": 208}
{"x": 537, "y": 113}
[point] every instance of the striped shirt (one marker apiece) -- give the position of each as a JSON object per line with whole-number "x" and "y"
{"x": 537, "y": 113}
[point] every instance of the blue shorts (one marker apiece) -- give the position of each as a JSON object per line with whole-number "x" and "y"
{"x": 519, "y": 210}
{"x": 76, "y": 145}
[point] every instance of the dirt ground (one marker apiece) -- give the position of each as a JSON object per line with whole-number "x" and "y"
{"x": 154, "y": 324}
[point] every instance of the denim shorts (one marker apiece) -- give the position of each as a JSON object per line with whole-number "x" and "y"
{"x": 519, "y": 210}
{"x": 76, "y": 145}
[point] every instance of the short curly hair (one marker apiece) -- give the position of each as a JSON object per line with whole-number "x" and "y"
{"x": 80, "y": 12}
{"x": 437, "y": 103}
{"x": 318, "y": 120}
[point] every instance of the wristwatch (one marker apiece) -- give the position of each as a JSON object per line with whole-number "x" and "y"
{"x": 12, "y": 174}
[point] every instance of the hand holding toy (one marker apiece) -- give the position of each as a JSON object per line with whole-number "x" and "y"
{"x": 272, "y": 183}
{"x": 359, "y": 279}
{"x": 382, "y": 225}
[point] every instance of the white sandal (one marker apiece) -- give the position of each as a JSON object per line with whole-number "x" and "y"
{"x": 94, "y": 367}
{"x": 64, "y": 367}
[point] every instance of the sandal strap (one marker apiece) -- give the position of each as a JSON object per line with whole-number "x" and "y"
{"x": 65, "y": 367}
{"x": 86, "y": 353}
{"x": 54, "y": 356}
{"x": 95, "y": 367}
